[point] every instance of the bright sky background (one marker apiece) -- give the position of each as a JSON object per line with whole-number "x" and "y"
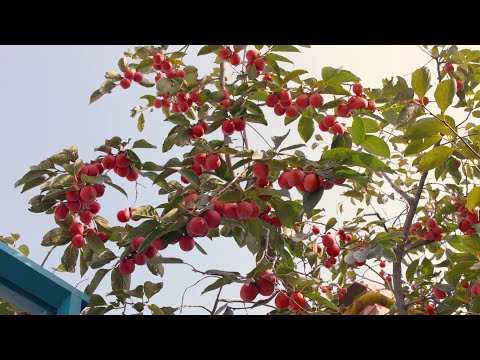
{"x": 44, "y": 96}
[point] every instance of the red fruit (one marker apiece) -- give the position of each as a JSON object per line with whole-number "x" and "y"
{"x": 430, "y": 236}
{"x": 328, "y": 240}
{"x": 230, "y": 211}
{"x": 197, "y": 131}
{"x": 123, "y": 216}
{"x": 158, "y": 76}
{"x": 259, "y": 64}
{"x": 460, "y": 85}
{"x": 437, "y": 229}
{"x": 475, "y": 290}
{"x": 329, "y": 120}
{"x": 248, "y": 292}
{"x": 316, "y": 100}
{"x": 267, "y": 77}
{"x": 276, "y": 222}
{"x": 343, "y": 110}
{"x": 311, "y": 183}
{"x": 61, "y": 212}
{"x": 464, "y": 225}
{"x": 182, "y": 98}
{"x": 197, "y": 169}
{"x": 170, "y": 74}
{"x": 132, "y": 176}
{"x": 195, "y": 97}
{"x": 103, "y": 237}
{"x": 371, "y": 105}
{"x": 315, "y": 230}
{"x": 425, "y": 100}
{"x": 438, "y": 237}
{"x": 302, "y": 101}
{"x": 279, "y": 110}
{"x": 228, "y": 127}
{"x": 197, "y": 227}
{"x": 239, "y": 124}
{"x": 431, "y": 222}
{"x": 301, "y": 188}
{"x": 183, "y": 107}
{"x": 448, "y": 68}
{"x": 344, "y": 291}
{"x": 72, "y": 195}
{"x": 224, "y": 54}
{"x": 328, "y": 185}
{"x": 260, "y": 170}
{"x": 181, "y": 73}
{"x": 86, "y": 217}
{"x": 92, "y": 170}
{"x": 225, "y": 103}
{"x": 297, "y": 301}
{"x": 138, "y": 77}
{"x": 122, "y": 172}
{"x": 339, "y": 180}
{"x": 333, "y": 251}
{"x": 283, "y": 181}
{"x": 357, "y": 89}
{"x": 125, "y": 83}
{"x": 332, "y": 260}
{"x": 244, "y": 210}
{"x": 458, "y": 163}
{"x": 388, "y": 278}
{"x": 73, "y": 206}
{"x": 158, "y": 58}
{"x": 135, "y": 244}
{"x": 282, "y": 301}
{"x": 255, "y": 210}
{"x": 140, "y": 259}
{"x": 382, "y": 264}
{"x": 319, "y": 249}
{"x": 190, "y": 201}
{"x": 251, "y": 55}
{"x": 109, "y": 162}
{"x": 348, "y": 237}
{"x": 212, "y": 162}
{"x": 466, "y": 285}
{"x": 200, "y": 159}
{"x": 186, "y": 243}
{"x": 338, "y": 129}
{"x": 151, "y": 252}
{"x": 430, "y": 310}
{"x": 128, "y": 74}
{"x": 265, "y": 287}
{"x": 439, "y": 294}
{"x": 295, "y": 177}
{"x": 213, "y": 219}
{"x": 218, "y": 206}
{"x": 262, "y": 182}
{"x": 76, "y": 228}
{"x": 291, "y": 111}
{"x": 271, "y": 100}
{"x": 122, "y": 161}
{"x": 126, "y": 267}
{"x": 167, "y": 65}
{"x": 357, "y": 102}
{"x": 284, "y": 96}
{"x": 235, "y": 59}
{"x": 88, "y": 194}
{"x": 78, "y": 241}
{"x": 381, "y": 273}
{"x": 322, "y": 126}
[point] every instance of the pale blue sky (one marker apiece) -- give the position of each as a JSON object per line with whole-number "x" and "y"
{"x": 44, "y": 95}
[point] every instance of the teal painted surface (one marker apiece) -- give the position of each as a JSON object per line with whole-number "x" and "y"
{"x": 35, "y": 290}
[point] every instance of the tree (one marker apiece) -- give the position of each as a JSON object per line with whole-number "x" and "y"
{"x": 390, "y": 144}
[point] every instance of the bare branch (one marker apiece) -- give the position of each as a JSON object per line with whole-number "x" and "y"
{"x": 402, "y": 193}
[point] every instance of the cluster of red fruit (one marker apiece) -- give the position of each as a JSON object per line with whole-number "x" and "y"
{"x": 166, "y": 67}
{"x": 227, "y": 54}
{"x": 468, "y": 218}
{"x": 230, "y": 126}
{"x": 203, "y": 162}
{"x": 332, "y": 249}
{"x": 283, "y": 104}
{"x": 448, "y": 68}
{"x": 431, "y": 231}
{"x": 330, "y": 122}
{"x": 357, "y": 102}
{"x": 121, "y": 166}
{"x": 127, "y": 264}
{"x": 264, "y": 285}
{"x": 128, "y": 76}
{"x": 305, "y": 181}
{"x": 125, "y": 215}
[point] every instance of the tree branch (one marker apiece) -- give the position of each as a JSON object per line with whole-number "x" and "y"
{"x": 417, "y": 244}
{"x": 228, "y": 159}
{"x": 48, "y": 254}
{"x": 402, "y": 193}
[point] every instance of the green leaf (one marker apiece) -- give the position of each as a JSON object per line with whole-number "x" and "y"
{"x": 101, "y": 258}
{"x": 426, "y": 127}
{"x": 218, "y": 284}
{"x": 97, "y": 279}
{"x": 473, "y": 198}
{"x": 411, "y": 269}
{"x": 305, "y": 128}
{"x": 287, "y": 211}
{"x": 69, "y": 258}
{"x": 145, "y": 212}
{"x": 119, "y": 281}
{"x": 417, "y": 146}
{"x": 293, "y": 74}
{"x": 278, "y": 140}
{"x": 231, "y": 197}
{"x": 421, "y": 81}
{"x": 151, "y": 289}
{"x": 471, "y": 243}
{"x": 143, "y": 144}
{"x": 426, "y": 267}
{"x": 445, "y": 93}
{"x": 208, "y": 49}
{"x": 284, "y": 48}
{"x": 330, "y": 224}
{"x": 434, "y": 158}
{"x": 358, "y": 130}
{"x": 24, "y": 250}
{"x": 141, "y": 122}
{"x": 191, "y": 176}
{"x": 310, "y": 200}
{"x": 376, "y": 145}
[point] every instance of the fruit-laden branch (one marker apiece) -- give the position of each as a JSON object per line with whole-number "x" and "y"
{"x": 228, "y": 159}
{"x": 402, "y": 193}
